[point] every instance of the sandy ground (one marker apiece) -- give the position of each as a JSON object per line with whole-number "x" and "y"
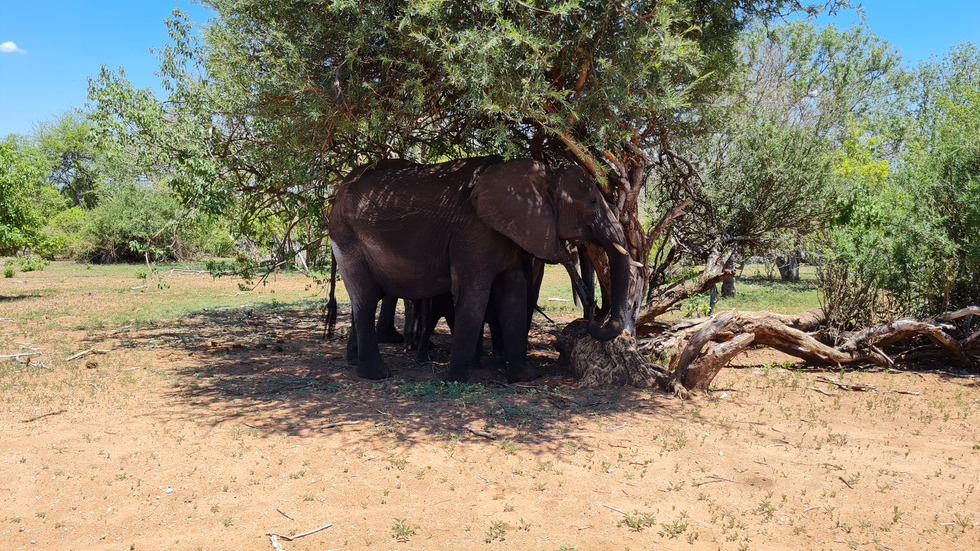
{"x": 212, "y": 430}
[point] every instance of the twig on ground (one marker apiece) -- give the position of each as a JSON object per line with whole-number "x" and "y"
{"x": 20, "y": 355}
{"x": 86, "y": 353}
{"x": 612, "y": 508}
{"x": 284, "y": 514}
{"x": 846, "y": 386}
{"x": 32, "y": 419}
{"x": 339, "y": 423}
{"x": 482, "y": 433}
{"x": 821, "y": 391}
{"x": 846, "y": 483}
{"x": 618, "y": 427}
{"x": 296, "y": 537}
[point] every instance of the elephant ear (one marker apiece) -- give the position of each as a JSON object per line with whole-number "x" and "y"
{"x": 514, "y": 198}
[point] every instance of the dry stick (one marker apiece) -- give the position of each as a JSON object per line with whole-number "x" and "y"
{"x": 821, "y": 391}
{"x": 846, "y": 386}
{"x": 22, "y": 354}
{"x": 284, "y": 514}
{"x": 714, "y": 478}
{"x": 968, "y": 311}
{"x": 339, "y": 423}
{"x": 612, "y": 508}
{"x": 482, "y": 433}
{"x": 32, "y": 419}
{"x": 296, "y": 537}
{"x": 86, "y": 353}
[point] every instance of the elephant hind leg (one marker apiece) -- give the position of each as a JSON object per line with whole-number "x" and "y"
{"x": 370, "y": 365}
{"x": 385, "y": 329}
{"x": 511, "y": 301}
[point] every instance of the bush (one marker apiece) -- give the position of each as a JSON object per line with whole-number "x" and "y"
{"x": 31, "y": 263}
{"x": 131, "y": 221}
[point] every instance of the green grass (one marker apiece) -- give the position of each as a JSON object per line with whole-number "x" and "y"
{"x": 124, "y": 298}
{"x": 755, "y": 291}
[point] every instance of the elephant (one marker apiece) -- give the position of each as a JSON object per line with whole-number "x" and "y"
{"x": 418, "y": 231}
{"x": 422, "y": 317}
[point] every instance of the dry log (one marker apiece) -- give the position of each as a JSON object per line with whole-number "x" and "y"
{"x": 697, "y": 341}
{"x": 890, "y": 333}
{"x": 961, "y": 313}
{"x": 972, "y": 341}
{"x": 687, "y": 347}
{"x": 698, "y": 376}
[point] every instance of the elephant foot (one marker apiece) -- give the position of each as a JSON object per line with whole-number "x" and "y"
{"x": 458, "y": 376}
{"x": 521, "y": 375}
{"x": 375, "y": 372}
{"x": 394, "y": 337}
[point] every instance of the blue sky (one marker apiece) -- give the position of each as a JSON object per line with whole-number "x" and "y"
{"x": 48, "y": 48}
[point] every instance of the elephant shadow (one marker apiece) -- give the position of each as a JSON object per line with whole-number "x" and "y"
{"x": 271, "y": 371}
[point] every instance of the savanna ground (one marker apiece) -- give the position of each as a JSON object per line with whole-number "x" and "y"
{"x": 217, "y": 415}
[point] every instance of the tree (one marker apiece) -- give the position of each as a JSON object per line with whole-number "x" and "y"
{"x": 767, "y": 161}
{"x": 274, "y": 100}
{"x": 905, "y": 241}
{"x": 19, "y": 220}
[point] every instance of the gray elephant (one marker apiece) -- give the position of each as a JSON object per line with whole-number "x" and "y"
{"x": 418, "y": 231}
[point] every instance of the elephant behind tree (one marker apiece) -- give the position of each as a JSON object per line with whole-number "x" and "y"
{"x": 462, "y": 227}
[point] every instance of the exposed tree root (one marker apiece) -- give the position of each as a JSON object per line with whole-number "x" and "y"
{"x": 696, "y": 350}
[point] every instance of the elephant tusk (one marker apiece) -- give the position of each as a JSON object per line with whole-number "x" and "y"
{"x": 622, "y": 251}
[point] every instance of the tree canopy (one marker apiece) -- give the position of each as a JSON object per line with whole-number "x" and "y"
{"x": 270, "y": 102}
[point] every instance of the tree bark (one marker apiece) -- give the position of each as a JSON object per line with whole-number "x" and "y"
{"x": 789, "y": 266}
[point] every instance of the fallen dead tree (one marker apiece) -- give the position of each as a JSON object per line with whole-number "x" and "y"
{"x": 690, "y": 353}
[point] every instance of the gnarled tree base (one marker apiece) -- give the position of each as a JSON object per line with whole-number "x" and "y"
{"x": 618, "y": 362}
{"x": 698, "y": 349}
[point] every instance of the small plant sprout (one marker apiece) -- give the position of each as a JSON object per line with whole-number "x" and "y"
{"x": 402, "y": 529}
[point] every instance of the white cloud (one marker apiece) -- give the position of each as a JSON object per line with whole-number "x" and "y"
{"x": 9, "y": 47}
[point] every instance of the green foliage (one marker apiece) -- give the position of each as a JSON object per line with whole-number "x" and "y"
{"x": 65, "y": 231}
{"x": 31, "y": 263}
{"x": 19, "y": 219}
{"x": 130, "y": 224}
{"x": 767, "y": 164}
{"x": 907, "y": 237}
{"x": 277, "y": 100}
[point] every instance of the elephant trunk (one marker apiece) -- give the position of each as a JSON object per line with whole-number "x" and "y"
{"x": 619, "y": 268}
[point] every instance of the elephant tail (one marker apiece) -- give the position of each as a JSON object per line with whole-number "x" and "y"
{"x": 331, "y": 315}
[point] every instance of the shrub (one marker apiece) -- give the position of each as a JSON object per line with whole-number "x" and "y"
{"x": 131, "y": 221}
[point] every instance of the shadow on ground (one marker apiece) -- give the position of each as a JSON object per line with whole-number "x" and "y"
{"x": 274, "y": 371}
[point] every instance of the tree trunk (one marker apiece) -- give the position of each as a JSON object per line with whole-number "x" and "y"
{"x": 617, "y": 362}
{"x": 728, "y": 286}
{"x": 789, "y": 266}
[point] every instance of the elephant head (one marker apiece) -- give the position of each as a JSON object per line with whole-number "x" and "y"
{"x": 539, "y": 207}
